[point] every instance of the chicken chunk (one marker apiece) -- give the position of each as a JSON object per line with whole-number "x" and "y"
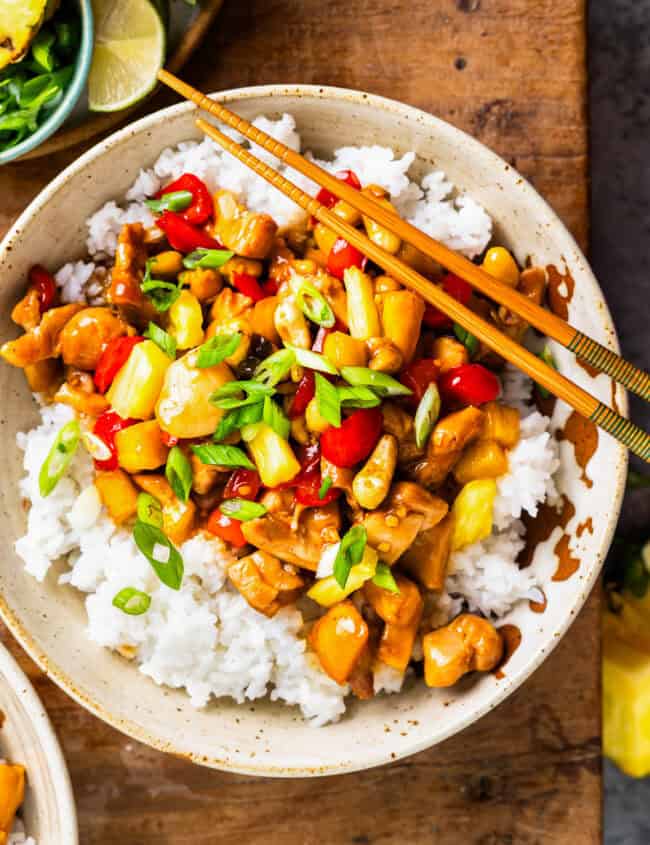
{"x": 450, "y": 436}
{"x": 12, "y": 794}
{"x": 264, "y": 582}
{"x": 128, "y": 272}
{"x": 27, "y": 312}
{"x": 41, "y": 342}
{"x": 87, "y": 334}
{"x": 469, "y": 643}
{"x": 427, "y": 557}
{"x": 246, "y": 233}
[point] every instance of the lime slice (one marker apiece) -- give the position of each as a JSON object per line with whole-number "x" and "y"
{"x": 129, "y": 52}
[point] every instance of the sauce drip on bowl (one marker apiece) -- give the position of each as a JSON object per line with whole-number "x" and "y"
{"x": 511, "y": 636}
{"x": 583, "y": 434}
{"x": 560, "y": 291}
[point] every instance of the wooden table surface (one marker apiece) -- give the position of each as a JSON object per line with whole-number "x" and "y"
{"x": 512, "y": 73}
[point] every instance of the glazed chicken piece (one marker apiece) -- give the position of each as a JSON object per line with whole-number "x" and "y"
{"x": 12, "y": 795}
{"x": 27, "y": 312}
{"x": 448, "y": 439}
{"x": 401, "y": 425}
{"x": 532, "y": 284}
{"x": 128, "y": 272}
{"x": 468, "y": 643}
{"x": 426, "y": 559}
{"x": 264, "y": 582}
{"x": 78, "y": 390}
{"x": 408, "y": 510}
{"x": 294, "y": 538}
{"x": 41, "y": 342}
{"x": 87, "y": 334}
{"x": 246, "y": 233}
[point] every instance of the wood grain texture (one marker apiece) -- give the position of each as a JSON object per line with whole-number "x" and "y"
{"x": 512, "y": 73}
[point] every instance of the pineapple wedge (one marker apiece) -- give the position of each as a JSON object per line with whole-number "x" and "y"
{"x": 20, "y": 21}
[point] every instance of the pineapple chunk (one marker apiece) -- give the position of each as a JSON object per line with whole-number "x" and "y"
{"x": 273, "y": 456}
{"x": 19, "y": 23}
{"x": 137, "y": 385}
{"x": 186, "y": 321}
{"x": 328, "y": 592}
{"x": 178, "y": 516}
{"x": 483, "y": 459}
{"x": 472, "y": 512}
{"x": 363, "y": 318}
{"x": 141, "y": 447}
{"x": 118, "y": 495}
{"x": 339, "y": 638}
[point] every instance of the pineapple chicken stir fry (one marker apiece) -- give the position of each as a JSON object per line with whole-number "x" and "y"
{"x": 276, "y": 391}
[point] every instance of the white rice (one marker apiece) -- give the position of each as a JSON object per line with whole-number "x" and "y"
{"x": 205, "y": 638}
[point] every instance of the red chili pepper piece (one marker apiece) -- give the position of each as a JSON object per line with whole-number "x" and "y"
{"x": 454, "y": 286}
{"x": 226, "y": 528}
{"x": 113, "y": 358}
{"x": 418, "y": 376}
{"x": 248, "y": 285}
{"x": 202, "y": 207}
{"x": 327, "y": 198}
{"x": 45, "y": 286}
{"x": 182, "y": 235}
{"x": 469, "y": 384}
{"x": 344, "y": 255}
{"x": 307, "y": 492}
{"x": 169, "y": 439}
{"x": 321, "y": 335}
{"x": 106, "y": 427}
{"x": 354, "y": 439}
{"x": 243, "y": 484}
{"x": 303, "y": 396}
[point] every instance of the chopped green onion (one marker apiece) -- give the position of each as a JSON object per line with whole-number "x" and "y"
{"x": 161, "y": 293}
{"x": 350, "y": 552}
{"x": 67, "y": 35}
{"x": 249, "y": 432}
{"x": 381, "y": 383}
{"x": 312, "y": 360}
{"x": 162, "y": 339}
{"x": 132, "y": 601}
{"x": 217, "y": 349}
{"x": 43, "y": 49}
{"x": 384, "y": 578}
{"x": 358, "y": 397}
{"x": 178, "y": 471}
{"x": 242, "y": 509}
{"x": 207, "y": 258}
{"x": 325, "y": 486}
{"x": 427, "y": 414}
{"x": 314, "y": 306}
{"x": 59, "y": 457}
{"x": 229, "y": 395}
{"x": 223, "y": 455}
{"x": 547, "y": 357}
{"x": 163, "y": 556}
{"x": 468, "y": 340}
{"x": 174, "y": 201}
{"x": 328, "y": 400}
{"x": 275, "y": 417}
{"x": 238, "y": 418}
{"x": 276, "y": 367}
{"x": 149, "y": 510}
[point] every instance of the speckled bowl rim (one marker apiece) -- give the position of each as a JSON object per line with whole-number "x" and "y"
{"x": 534, "y": 204}
{"x": 45, "y": 736}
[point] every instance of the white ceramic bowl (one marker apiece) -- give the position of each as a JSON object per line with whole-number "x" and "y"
{"x": 263, "y": 738}
{"x": 27, "y": 737}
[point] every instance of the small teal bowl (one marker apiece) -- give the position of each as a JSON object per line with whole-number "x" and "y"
{"x": 77, "y": 84}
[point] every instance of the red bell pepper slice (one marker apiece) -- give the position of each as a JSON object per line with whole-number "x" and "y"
{"x": 354, "y": 439}
{"x": 182, "y": 235}
{"x": 454, "y": 286}
{"x": 106, "y": 427}
{"x": 321, "y": 335}
{"x": 344, "y": 255}
{"x": 248, "y": 285}
{"x": 243, "y": 484}
{"x": 226, "y": 528}
{"x": 201, "y": 208}
{"x": 112, "y": 359}
{"x": 303, "y": 395}
{"x": 270, "y": 287}
{"x": 308, "y": 482}
{"x": 327, "y": 198}
{"x": 469, "y": 384}
{"x": 45, "y": 286}
{"x": 417, "y": 376}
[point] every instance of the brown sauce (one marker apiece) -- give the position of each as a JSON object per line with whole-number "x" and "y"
{"x": 583, "y": 434}
{"x": 566, "y": 563}
{"x": 560, "y": 291}
{"x": 587, "y": 525}
{"x": 614, "y": 402}
{"x": 539, "y": 606}
{"x": 511, "y": 636}
{"x": 540, "y": 528}
{"x": 588, "y": 368}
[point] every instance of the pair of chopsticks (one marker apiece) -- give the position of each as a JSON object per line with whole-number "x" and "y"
{"x": 589, "y": 350}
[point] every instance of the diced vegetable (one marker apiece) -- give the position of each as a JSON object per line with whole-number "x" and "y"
{"x": 141, "y": 447}
{"x": 303, "y": 395}
{"x": 273, "y": 456}
{"x": 339, "y": 638}
{"x": 105, "y": 429}
{"x": 381, "y": 383}
{"x": 200, "y": 207}
{"x": 354, "y": 439}
{"x": 164, "y": 558}
{"x": 170, "y": 201}
{"x": 498, "y": 262}
{"x": 418, "y": 376}
{"x": 263, "y": 319}
{"x": 363, "y": 319}
{"x": 344, "y": 351}
{"x": 502, "y": 423}
{"x": 325, "y": 238}
{"x": 182, "y": 235}
{"x": 472, "y": 513}
{"x": 372, "y": 482}
{"x": 132, "y": 602}
{"x": 162, "y": 339}
{"x": 45, "y": 285}
{"x": 178, "y": 472}
{"x": 401, "y": 318}
{"x": 327, "y": 198}
{"x": 470, "y": 384}
{"x": 454, "y": 286}
{"x": 137, "y": 385}
{"x": 118, "y": 494}
{"x": 59, "y": 457}
{"x": 343, "y": 256}
{"x": 227, "y": 529}
{"x": 483, "y": 459}
{"x": 186, "y": 321}
{"x": 328, "y": 592}
{"x": 427, "y": 414}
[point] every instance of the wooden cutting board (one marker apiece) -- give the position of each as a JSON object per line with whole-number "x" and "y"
{"x": 512, "y": 73}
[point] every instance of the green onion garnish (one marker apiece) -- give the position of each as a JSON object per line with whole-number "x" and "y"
{"x": 132, "y": 601}
{"x": 275, "y": 417}
{"x": 358, "y": 397}
{"x": 173, "y": 201}
{"x": 161, "y": 293}
{"x": 314, "y": 306}
{"x": 384, "y": 578}
{"x": 468, "y": 340}
{"x": 325, "y": 486}
{"x": 350, "y": 552}
{"x": 162, "y": 339}
{"x": 238, "y": 418}
{"x": 43, "y": 49}
{"x": 149, "y": 510}
{"x": 328, "y": 400}
{"x": 242, "y": 509}
{"x": 276, "y": 367}
{"x": 207, "y": 258}
{"x": 312, "y": 360}
{"x": 217, "y": 349}
{"x": 381, "y": 383}
{"x": 547, "y": 357}
{"x": 220, "y": 454}
{"x": 163, "y": 556}
{"x": 237, "y": 394}
{"x": 427, "y": 414}
{"x": 178, "y": 471}
{"x": 59, "y": 457}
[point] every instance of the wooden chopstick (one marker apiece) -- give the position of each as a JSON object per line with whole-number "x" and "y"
{"x": 637, "y": 440}
{"x": 550, "y": 324}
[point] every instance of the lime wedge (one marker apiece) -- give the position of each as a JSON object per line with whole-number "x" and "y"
{"x": 129, "y": 52}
